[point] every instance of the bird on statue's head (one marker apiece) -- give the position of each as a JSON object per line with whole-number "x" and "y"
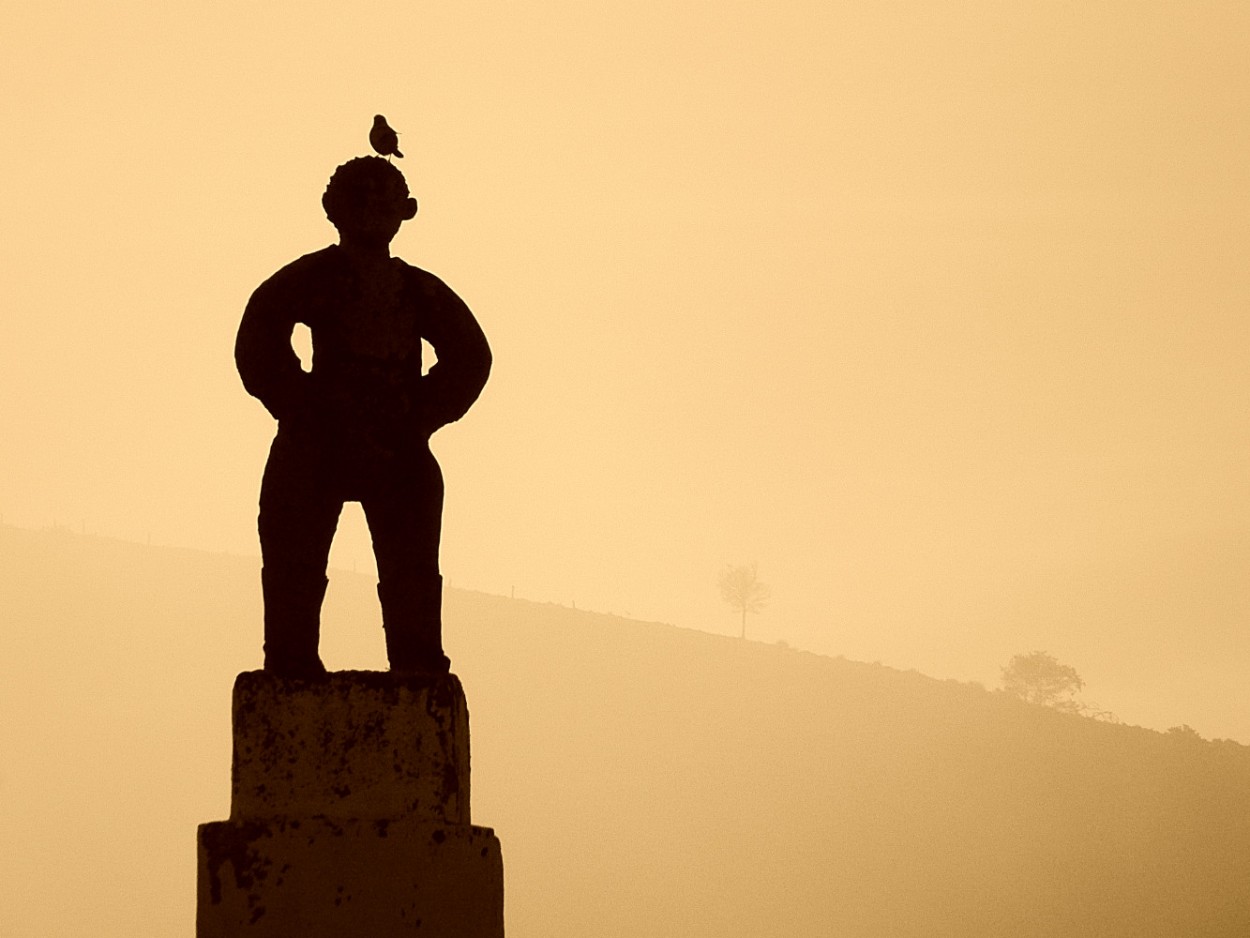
{"x": 384, "y": 140}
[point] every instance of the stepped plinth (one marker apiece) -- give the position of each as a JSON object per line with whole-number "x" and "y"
{"x": 349, "y": 814}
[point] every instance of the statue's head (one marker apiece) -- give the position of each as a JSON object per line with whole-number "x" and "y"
{"x": 367, "y": 200}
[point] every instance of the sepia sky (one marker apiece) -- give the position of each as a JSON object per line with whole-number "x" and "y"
{"x": 936, "y": 311}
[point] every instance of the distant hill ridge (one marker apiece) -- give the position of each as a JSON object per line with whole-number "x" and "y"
{"x": 644, "y": 779}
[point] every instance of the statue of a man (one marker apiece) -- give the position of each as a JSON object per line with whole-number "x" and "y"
{"x": 357, "y": 426}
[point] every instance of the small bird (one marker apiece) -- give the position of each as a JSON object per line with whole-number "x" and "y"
{"x": 384, "y": 140}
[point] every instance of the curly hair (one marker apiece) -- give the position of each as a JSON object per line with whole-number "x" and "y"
{"x": 356, "y": 181}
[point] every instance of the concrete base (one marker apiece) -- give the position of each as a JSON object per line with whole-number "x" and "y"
{"x": 348, "y": 879}
{"x": 350, "y": 815}
{"x": 367, "y": 744}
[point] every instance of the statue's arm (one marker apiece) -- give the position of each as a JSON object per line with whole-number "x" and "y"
{"x": 451, "y": 386}
{"x": 268, "y": 365}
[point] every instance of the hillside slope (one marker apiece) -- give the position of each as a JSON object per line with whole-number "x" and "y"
{"x": 644, "y": 779}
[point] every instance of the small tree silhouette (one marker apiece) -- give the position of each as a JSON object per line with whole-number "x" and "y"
{"x": 742, "y": 589}
{"x": 1040, "y": 679}
{"x": 1185, "y": 732}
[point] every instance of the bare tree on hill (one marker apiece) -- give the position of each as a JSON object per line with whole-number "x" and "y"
{"x": 740, "y": 586}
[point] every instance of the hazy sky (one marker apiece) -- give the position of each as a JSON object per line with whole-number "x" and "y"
{"x": 937, "y": 311}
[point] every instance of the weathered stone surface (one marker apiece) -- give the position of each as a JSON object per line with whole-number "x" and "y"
{"x": 358, "y": 744}
{"x": 350, "y": 814}
{"x": 322, "y": 878}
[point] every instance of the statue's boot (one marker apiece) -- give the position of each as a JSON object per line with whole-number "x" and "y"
{"x": 293, "y": 621}
{"x": 412, "y": 617}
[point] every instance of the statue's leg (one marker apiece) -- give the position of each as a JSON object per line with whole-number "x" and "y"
{"x": 298, "y": 514}
{"x": 405, "y": 520}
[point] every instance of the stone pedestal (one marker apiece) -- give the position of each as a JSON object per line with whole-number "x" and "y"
{"x": 349, "y": 815}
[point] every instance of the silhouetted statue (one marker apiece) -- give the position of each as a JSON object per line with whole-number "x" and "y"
{"x": 357, "y": 426}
